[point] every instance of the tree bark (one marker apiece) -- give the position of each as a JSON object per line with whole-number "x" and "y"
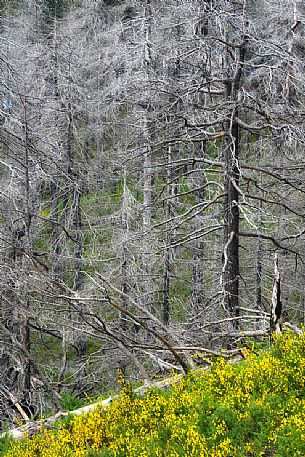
{"x": 231, "y": 185}
{"x": 231, "y": 224}
{"x": 197, "y": 289}
{"x": 168, "y": 250}
{"x": 276, "y": 304}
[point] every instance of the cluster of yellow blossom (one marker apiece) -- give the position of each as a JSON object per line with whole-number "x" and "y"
{"x": 231, "y": 410}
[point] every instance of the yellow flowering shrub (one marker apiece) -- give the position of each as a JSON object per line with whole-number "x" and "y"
{"x": 252, "y": 408}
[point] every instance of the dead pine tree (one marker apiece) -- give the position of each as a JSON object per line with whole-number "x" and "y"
{"x": 276, "y": 304}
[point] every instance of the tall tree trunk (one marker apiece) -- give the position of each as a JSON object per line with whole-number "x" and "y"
{"x": 124, "y": 254}
{"x": 259, "y": 269}
{"x": 198, "y": 179}
{"x": 231, "y": 186}
{"x": 231, "y": 223}
{"x": 276, "y": 305}
{"x": 259, "y": 252}
{"x": 56, "y": 240}
{"x": 147, "y": 163}
{"x": 147, "y": 284}
{"x": 168, "y": 250}
{"x": 25, "y": 326}
{"x": 79, "y": 279}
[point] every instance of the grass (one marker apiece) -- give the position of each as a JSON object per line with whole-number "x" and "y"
{"x": 252, "y": 408}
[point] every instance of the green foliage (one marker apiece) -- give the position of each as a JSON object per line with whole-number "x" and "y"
{"x": 69, "y": 401}
{"x": 65, "y": 423}
{"x": 212, "y": 149}
{"x": 5, "y": 444}
{"x": 253, "y": 408}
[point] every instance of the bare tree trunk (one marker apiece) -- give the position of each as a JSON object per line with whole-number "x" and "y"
{"x": 56, "y": 241}
{"x": 78, "y": 265}
{"x": 196, "y": 299}
{"x": 259, "y": 254}
{"x": 147, "y": 164}
{"x": 259, "y": 269}
{"x": 231, "y": 186}
{"x": 124, "y": 284}
{"x": 231, "y": 224}
{"x": 276, "y": 305}
{"x": 147, "y": 284}
{"x": 25, "y": 326}
{"x": 168, "y": 250}
{"x": 124, "y": 255}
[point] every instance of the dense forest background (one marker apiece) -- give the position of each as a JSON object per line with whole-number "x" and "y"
{"x": 151, "y": 165}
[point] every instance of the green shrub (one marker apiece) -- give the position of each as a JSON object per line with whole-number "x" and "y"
{"x": 253, "y": 408}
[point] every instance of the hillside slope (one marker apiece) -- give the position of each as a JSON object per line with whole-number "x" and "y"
{"x": 252, "y": 408}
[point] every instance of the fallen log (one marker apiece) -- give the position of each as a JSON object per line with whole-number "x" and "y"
{"x": 30, "y": 428}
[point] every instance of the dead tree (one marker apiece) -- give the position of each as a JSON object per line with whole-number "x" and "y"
{"x": 276, "y": 305}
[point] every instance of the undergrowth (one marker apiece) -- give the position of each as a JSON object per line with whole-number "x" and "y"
{"x": 252, "y": 408}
